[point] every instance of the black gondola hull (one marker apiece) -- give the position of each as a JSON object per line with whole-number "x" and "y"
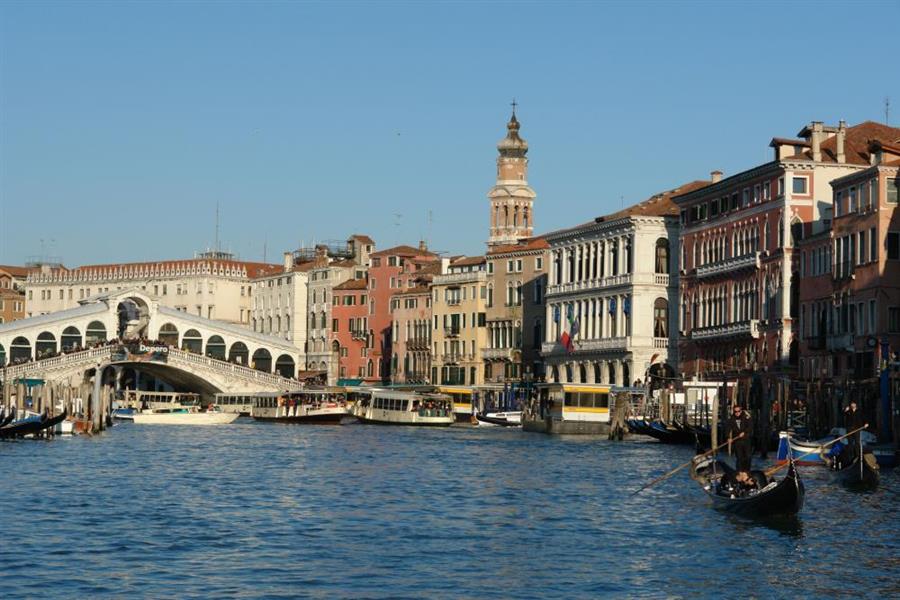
{"x": 785, "y": 498}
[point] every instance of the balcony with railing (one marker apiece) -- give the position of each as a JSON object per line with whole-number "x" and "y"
{"x": 497, "y": 353}
{"x": 749, "y": 328}
{"x": 451, "y": 278}
{"x": 451, "y": 331}
{"x": 417, "y": 344}
{"x": 599, "y": 345}
{"x": 729, "y": 265}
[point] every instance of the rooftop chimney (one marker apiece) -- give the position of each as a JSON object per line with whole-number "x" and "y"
{"x": 817, "y": 133}
{"x": 841, "y": 137}
{"x": 715, "y": 176}
{"x": 423, "y": 247}
{"x": 288, "y": 262}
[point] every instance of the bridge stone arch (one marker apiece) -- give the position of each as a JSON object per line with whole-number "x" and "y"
{"x": 239, "y": 354}
{"x": 216, "y": 348}
{"x": 262, "y": 360}
{"x": 19, "y": 350}
{"x": 285, "y": 366}
{"x": 192, "y": 341}
{"x": 70, "y": 338}
{"x": 45, "y": 344}
{"x": 168, "y": 334}
{"x": 96, "y": 333}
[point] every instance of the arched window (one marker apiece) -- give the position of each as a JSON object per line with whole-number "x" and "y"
{"x": 95, "y": 333}
{"x": 660, "y": 318}
{"x": 262, "y": 360}
{"x": 45, "y": 344}
{"x": 192, "y": 341}
{"x": 662, "y": 256}
{"x": 285, "y": 366}
{"x": 215, "y": 347}
{"x": 168, "y": 335}
{"x": 71, "y": 339}
{"x": 239, "y": 354}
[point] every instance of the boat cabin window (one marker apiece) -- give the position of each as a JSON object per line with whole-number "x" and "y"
{"x": 587, "y": 399}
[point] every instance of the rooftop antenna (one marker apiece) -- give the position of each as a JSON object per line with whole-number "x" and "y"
{"x": 265, "y": 248}
{"x": 217, "y": 225}
{"x": 887, "y": 110}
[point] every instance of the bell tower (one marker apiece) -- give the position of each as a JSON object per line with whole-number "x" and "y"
{"x": 512, "y": 200}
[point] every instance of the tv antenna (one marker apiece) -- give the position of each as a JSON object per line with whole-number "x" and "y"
{"x": 887, "y": 110}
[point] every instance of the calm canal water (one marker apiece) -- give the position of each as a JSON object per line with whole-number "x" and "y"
{"x": 262, "y": 510}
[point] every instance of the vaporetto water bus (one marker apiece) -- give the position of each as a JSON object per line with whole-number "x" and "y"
{"x": 462, "y": 398}
{"x": 392, "y": 407}
{"x": 187, "y": 415}
{"x": 240, "y": 404}
{"x": 569, "y": 408}
{"x": 312, "y": 405}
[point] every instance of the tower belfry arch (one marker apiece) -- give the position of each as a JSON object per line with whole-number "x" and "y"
{"x": 511, "y": 198}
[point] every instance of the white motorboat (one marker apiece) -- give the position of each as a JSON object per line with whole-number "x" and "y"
{"x": 189, "y": 415}
{"x": 500, "y": 419}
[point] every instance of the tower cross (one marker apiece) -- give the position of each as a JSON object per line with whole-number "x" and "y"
{"x": 514, "y": 105}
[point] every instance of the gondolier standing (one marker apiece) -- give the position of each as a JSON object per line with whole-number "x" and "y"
{"x": 740, "y": 430}
{"x": 853, "y": 419}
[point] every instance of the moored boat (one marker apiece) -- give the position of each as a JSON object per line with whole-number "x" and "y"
{"x": 389, "y": 407}
{"x": 565, "y": 408}
{"x": 316, "y": 405}
{"x": 772, "y": 497}
{"x": 500, "y": 419}
{"x": 183, "y": 416}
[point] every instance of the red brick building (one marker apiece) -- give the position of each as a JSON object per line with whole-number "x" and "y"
{"x": 349, "y": 329}
{"x": 866, "y": 275}
{"x": 739, "y": 292}
{"x": 390, "y": 271}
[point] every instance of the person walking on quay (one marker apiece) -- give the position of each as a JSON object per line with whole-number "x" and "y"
{"x": 740, "y": 432}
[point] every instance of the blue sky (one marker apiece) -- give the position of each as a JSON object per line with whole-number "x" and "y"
{"x": 123, "y": 124}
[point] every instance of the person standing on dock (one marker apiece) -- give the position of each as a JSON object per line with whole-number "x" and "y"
{"x": 740, "y": 432}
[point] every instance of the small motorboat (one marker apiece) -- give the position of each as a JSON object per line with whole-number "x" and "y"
{"x": 500, "y": 419}
{"x": 188, "y": 415}
{"x": 771, "y": 497}
{"x": 123, "y": 414}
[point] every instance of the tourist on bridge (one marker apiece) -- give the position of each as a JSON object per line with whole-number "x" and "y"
{"x": 740, "y": 432}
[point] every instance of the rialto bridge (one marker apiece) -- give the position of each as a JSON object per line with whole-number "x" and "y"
{"x": 129, "y": 330}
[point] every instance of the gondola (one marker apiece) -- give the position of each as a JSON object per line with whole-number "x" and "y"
{"x": 668, "y": 434}
{"x": 52, "y": 422}
{"x": 783, "y": 497}
{"x": 8, "y": 416}
{"x": 864, "y": 474}
{"x": 24, "y": 427}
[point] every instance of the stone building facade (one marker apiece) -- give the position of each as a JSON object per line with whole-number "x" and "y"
{"x": 459, "y": 322}
{"x": 516, "y": 285}
{"x": 350, "y": 330}
{"x": 612, "y": 287}
{"x": 214, "y": 286}
{"x": 511, "y": 198}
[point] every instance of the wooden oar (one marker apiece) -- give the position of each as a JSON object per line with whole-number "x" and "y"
{"x": 676, "y": 469}
{"x": 769, "y": 472}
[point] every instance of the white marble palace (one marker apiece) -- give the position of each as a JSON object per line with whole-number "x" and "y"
{"x": 612, "y": 284}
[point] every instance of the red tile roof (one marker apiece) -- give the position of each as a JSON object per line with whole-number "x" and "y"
{"x": 253, "y": 269}
{"x": 353, "y": 284}
{"x": 467, "y": 261}
{"x": 363, "y": 238}
{"x": 856, "y": 144}
{"x": 15, "y": 271}
{"x": 403, "y": 251}
{"x": 536, "y": 243}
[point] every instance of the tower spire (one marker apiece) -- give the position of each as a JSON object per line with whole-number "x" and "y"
{"x": 511, "y": 198}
